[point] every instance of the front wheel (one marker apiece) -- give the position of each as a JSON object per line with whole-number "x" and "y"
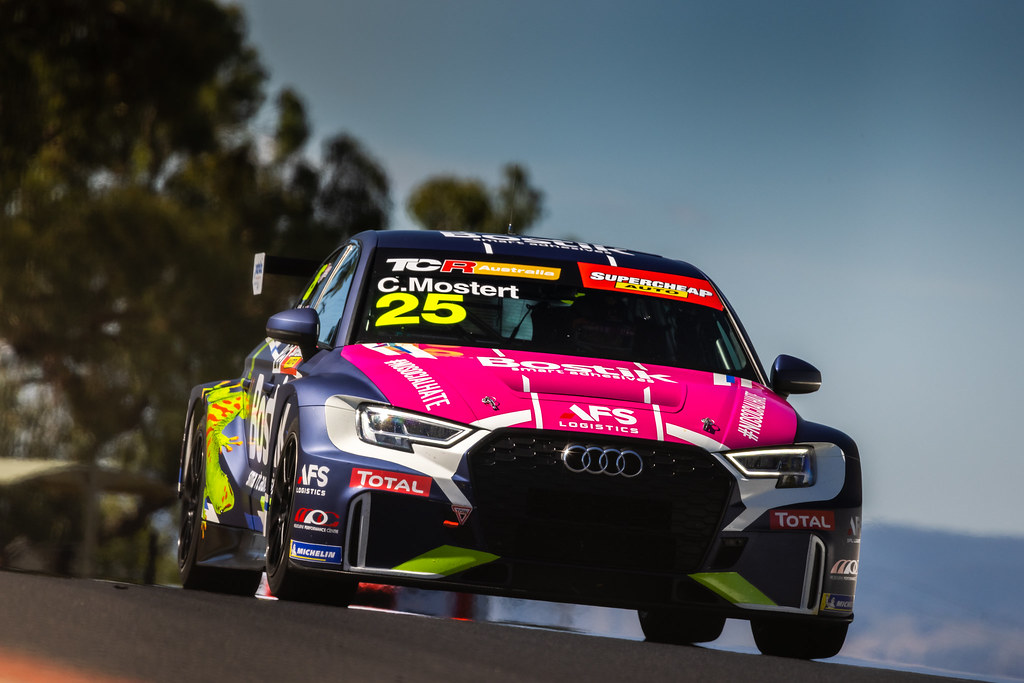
{"x": 286, "y": 582}
{"x": 679, "y": 627}
{"x": 191, "y": 527}
{"x": 799, "y": 639}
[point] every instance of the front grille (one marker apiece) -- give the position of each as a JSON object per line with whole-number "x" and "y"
{"x": 532, "y": 507}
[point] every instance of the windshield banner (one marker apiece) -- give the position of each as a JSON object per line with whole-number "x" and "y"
{"x": 679, "y": 287}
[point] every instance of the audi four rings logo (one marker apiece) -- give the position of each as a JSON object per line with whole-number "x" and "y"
{"x": 597, "y": 460}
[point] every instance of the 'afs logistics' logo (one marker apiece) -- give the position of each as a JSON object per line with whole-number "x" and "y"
{"x": 313, "y": 479}
{"x": 593, "y": 417}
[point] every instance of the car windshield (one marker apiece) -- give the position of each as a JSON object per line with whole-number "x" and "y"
{"x": 575, "y": 309}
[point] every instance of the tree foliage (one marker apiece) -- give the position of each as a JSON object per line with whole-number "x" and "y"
{"x": 120, "y": 86}
{"x": 133, "y": 194}
{"x": 446, "y": 202}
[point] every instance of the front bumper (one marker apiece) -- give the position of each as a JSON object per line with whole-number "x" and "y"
{"x": 690, "y": 532}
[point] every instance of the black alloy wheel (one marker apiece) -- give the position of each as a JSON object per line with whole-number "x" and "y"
{"x": 190, "y": 519}
{"x": 680, "y": 627}
{"x": 286, "y": 581}
{"x": 282, "y": 490}
{"x": 817, "y": 639}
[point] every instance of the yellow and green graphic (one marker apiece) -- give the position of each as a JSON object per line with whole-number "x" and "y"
{"x": 446, "y": 560}
{"x": 733, "y": 587}
{"x": 224, "y": 403}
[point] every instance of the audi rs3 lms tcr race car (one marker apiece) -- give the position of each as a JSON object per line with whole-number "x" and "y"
{"x": 525, "y": 417}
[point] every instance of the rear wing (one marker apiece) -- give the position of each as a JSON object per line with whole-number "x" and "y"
{"x": 279, "y": 265}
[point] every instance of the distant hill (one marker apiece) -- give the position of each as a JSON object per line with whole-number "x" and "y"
{"x": 941, "y": 600}
{"x": 926, "y": 600}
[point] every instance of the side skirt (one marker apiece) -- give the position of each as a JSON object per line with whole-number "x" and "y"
{"x": 230, "y": 547}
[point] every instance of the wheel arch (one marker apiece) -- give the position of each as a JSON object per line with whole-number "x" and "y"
{"x": 313, "y": 392}
{"x": 852, "y": 493}
{"x": 196, "y": 398}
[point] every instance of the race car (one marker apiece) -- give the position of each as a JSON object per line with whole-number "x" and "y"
{"x": 526, "y": 417}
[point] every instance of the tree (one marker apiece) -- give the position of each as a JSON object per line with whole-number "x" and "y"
{"x": 132, "y": 196}
{"x": 119, "y": 87}
{"x": 518, "y": 203}
{"x": 449, "y": 203}
{"x": 353, "y": 190}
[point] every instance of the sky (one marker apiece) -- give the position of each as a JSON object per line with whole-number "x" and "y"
{"x": 850, "y": 174}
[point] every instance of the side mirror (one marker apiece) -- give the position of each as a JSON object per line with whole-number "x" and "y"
{"x": 299, "y": 326}
{"x": 794, "y": 376}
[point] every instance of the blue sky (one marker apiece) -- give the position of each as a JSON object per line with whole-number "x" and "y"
{"x": 851, "y": 174}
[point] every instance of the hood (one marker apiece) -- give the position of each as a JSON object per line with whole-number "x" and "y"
{"x": 495, "y": 388}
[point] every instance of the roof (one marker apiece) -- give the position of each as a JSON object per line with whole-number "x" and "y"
{"x": 525, "y": 246}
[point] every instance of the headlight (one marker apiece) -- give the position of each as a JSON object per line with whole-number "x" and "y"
{"x": 394, "y": 428}
{"x": 793, "y": 466}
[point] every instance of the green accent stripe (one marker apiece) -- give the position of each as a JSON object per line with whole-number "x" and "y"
{"x": 733, "y": 588}
{"x": 252, "y": 365}
{"x": 316, "y": 280}
{"x": 446, "y": 560}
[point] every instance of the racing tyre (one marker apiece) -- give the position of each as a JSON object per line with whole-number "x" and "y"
{"x": 679, "y": 627}
{"x": 286, "y": 582}
{"x": 190, "y": 529}
{"x": 799, "y": 639}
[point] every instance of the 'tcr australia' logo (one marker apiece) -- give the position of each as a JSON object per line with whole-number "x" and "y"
{"x": 427, "y": 265}
{"x": 419, "y": 265}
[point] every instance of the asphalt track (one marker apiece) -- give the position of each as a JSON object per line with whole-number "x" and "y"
{"x": 93, "y": 631}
